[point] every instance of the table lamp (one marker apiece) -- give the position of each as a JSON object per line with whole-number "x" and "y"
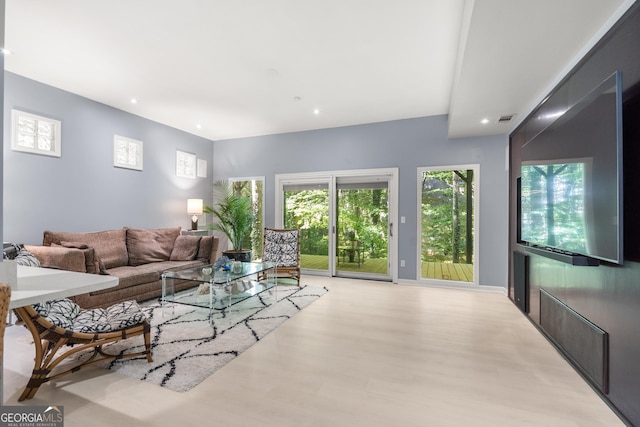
{"x": 194, "y": 206}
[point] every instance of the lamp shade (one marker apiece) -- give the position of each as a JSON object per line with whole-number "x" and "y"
{"x": 194, "y": 206}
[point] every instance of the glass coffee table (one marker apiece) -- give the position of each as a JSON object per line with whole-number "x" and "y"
{"x": 216, "y": 290}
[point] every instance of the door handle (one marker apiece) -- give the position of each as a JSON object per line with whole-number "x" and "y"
{"x": 390, "y": 229}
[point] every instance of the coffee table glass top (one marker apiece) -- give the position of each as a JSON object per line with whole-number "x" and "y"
{"x": 216, "y": 289}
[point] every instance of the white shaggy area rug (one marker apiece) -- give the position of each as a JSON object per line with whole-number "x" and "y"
{"x": 187, "y": 347}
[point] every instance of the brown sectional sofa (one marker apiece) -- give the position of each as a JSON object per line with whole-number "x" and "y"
{"x": 137, "y": 257}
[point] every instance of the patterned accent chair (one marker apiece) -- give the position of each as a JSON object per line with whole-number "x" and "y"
{"x": 282, "y": 247}
{"x": 61, "y": 329}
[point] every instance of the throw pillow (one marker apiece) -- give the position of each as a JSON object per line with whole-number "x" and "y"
{"x": 77, "y": 245}
{"x": 91, "y": 260}
{"x": 24, "y": 257}
{"x": 145, "y": 246}
{"x": 185, "y": 248}
{"x": 205, "y": 249}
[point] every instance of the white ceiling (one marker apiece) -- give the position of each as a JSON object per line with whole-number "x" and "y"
{"x": 254, "y": 67}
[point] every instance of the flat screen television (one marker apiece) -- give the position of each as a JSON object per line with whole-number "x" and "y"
{"x": 571, "y": 179}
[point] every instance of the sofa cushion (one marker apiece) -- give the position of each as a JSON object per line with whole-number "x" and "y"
{"x": 147, "y": 246}
{"x": 185, "y": 248}
{"x": 68, "y": 315}
{"x": 132, "y": 276}
{"x": 110, "y": 246}
{"x": 129, "y": 276}
{"x": 114, "y": 318}
{"x": 140, "y": 283}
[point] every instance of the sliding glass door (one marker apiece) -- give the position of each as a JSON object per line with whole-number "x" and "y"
{"x": 362, "y": 226}
{"x": 345, "y": 221}
{"x": 306, "y": 207}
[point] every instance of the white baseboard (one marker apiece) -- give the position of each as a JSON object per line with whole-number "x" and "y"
{"x": 453, "y": 285}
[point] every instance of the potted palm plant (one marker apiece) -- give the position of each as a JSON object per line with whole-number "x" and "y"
{"x": 234, "y": 215}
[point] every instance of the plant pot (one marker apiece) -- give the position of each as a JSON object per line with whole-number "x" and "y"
{"x": 244, "y": 256}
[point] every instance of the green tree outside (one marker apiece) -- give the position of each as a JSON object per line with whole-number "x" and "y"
{"x": 447, "y": 216}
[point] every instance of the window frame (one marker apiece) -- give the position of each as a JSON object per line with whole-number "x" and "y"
{"x": 186, "y": 164}
{"x": 129, "y": 141}
{"x": 16, "y": 115}
{"x": 476, "y": 226}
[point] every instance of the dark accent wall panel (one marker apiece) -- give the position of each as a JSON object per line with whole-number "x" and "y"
{"x": 520, "y": 281}
{"x": 586, "y": 345}
{"x": 607, "y": 295}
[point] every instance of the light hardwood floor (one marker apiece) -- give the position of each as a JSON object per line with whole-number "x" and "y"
{"x": 365, "y": 354}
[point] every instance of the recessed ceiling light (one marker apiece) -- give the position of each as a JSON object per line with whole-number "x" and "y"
{"x": 485, "y": 121}
{"x": 316, "y": 111}
{"x": 5, "y": 51}
{"x": 199, "y": 126}
{"x": 134, "y": 101}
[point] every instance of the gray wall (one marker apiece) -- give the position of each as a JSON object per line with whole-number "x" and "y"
{"x": 82, "y": 191}
{"x": 405, "y": 144}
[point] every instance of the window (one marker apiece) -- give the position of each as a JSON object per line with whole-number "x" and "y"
{"x": 35, "y": 134}
{"x": 447, "y": 219}
{"x": 127, "y": 153}
{"x": 185, "y": 165}
{"x": 253, "y": 188}
{"x": 202, "y": 168}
